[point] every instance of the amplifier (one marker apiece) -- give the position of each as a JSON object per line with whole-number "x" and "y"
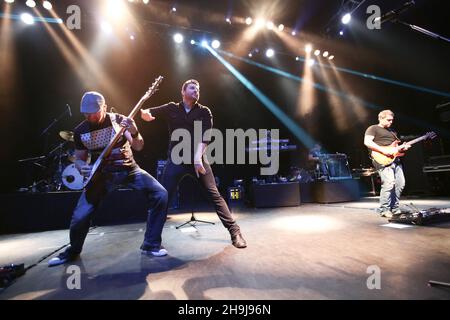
{"x": 437, "y": 164}
{"x": 442, "y": 168}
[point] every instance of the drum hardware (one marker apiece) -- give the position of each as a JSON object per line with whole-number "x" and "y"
{"x": 56, "y": 169}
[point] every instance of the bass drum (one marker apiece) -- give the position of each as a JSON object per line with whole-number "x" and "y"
{"x": 72, "y": 178}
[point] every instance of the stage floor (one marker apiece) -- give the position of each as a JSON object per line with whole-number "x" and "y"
{"x": 308, "y": 252}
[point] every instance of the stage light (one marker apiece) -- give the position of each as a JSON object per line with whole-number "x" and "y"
{"x": 269, "y": 25}
{"x": 27, "y": 18}
{"x": 248, "y": 21}
{"x": 297, "y": 58}
{"x": 215, "y": 44}
{"x": 250, "y": 55}
{"x": 311, "y": 62}
{"x": 317, "y": 52}
{"x": 280, "y": 27}
{"x": 293, "y": 33}
{"x": 174, "y": 9}
{"x": 47, "y": 5}
{"x": 132, "y": 37}
{"x": 228, "y": 20}
{"x": 341, "y": 33}
{"x": 106, "y": 27}
{"x": 330, "y": 57}
{"x": 145, "y": 1}
{"x": 31, "y": 3}
{"x": 116, "y": 9}
{"x": 259, "y": 23}
{"x": 308, "y": 48}
{"x": 9, "y": 1}
{"x": 204, "y": 43}
{"x": 270, "y": 53}
{"x": 346, "y": 18}
{"x": 325, "y": 54}
{"x": 178, "y": 38}
{"x": 192, "y": 41}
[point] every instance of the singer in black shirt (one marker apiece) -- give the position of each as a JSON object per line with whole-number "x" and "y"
{"x": 183, "y": 115}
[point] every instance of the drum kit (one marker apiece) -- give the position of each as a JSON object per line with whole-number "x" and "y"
{"x": 57, "y": 168}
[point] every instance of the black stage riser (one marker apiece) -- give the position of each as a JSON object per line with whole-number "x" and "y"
{"x": 28, "y": 212}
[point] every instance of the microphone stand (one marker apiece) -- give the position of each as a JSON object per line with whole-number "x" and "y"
{"x": 46, "y": 130}
{"x": 424, "y": 31}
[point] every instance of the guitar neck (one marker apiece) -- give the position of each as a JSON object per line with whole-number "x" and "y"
{"x": 417, "y": 140}
{"x": 136, "y": 108}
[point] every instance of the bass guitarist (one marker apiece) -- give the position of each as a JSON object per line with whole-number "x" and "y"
{"x": 119, "y": 169}
{"x": 382, "y": 140}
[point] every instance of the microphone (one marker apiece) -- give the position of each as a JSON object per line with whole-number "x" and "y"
{"x": 393, "y": 14}
{"x": 68, "y": 108}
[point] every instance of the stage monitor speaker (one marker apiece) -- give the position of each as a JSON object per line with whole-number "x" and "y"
{"x": 276, "y": 194}
{"x": 335, "y": 191}
{"x": 306, "y": 192}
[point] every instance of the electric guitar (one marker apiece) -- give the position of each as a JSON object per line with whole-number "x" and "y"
{"x": 397, "y": 150}
{"x": 106, "y": 152}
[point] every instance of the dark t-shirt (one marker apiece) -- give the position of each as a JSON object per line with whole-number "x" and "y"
{"x": 382, "y": 137}
{"x": 177, "y": 118}
{"x": 95, "y": 138}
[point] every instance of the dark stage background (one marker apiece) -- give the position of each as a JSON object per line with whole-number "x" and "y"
{"x": 39, "y": 80}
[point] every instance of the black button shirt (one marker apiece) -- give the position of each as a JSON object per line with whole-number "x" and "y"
{"x": 177, "y": 118}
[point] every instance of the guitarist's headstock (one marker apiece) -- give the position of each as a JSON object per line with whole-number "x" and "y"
{"x": 153, "y": 88}
{"x": 431, "y": 135}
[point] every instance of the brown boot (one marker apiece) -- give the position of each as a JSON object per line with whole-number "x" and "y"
{"x": 238, "y": 241}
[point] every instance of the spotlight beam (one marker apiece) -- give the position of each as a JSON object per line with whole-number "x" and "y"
{"x": 297, "y": 78}
{"x": 301, "y": 134}
{"x": 95, "y": 69}
{"x": 390, "y": 81}
{"x": 382, "y": 79}
{"x": 352, "y": 98}
{"x": 36, "y": 18}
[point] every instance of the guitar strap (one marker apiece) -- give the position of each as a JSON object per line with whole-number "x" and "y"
{"x": 114, "y": 123}
{"x": 394, "y": 135}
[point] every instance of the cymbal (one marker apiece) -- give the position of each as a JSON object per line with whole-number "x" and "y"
{"x": 66, "y": 135}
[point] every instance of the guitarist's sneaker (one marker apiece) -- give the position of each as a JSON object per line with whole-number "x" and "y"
{"x": 387, "y": 214}
{"x": 396, "y": 211}
{"x": 62, "y": 258}
{"x": 156, "y": 252}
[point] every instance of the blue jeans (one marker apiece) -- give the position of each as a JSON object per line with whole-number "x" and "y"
{"x": 392, "y": 184}
{"x": 90, "y": 199}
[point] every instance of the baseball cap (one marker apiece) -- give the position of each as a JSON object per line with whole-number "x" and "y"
{"x": 91, "y": 102}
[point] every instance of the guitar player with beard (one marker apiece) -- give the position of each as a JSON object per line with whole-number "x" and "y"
{"x": 99, "y": 131}
{"x": 382, "y": 142}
